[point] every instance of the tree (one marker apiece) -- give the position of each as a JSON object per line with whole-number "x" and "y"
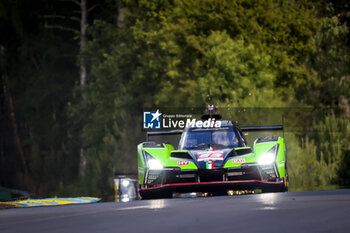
{"x": 170, "y": 37}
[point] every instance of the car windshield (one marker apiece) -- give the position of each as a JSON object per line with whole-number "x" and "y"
{"x": 205, "y": 138}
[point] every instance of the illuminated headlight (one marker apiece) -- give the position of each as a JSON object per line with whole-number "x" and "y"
{"x": 125, "y": 183}
{"x": 154, "y": 164}
{"x": 266, "y": 158}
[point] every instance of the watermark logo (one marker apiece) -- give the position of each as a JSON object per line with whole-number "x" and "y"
{"x": 152, "y": 120}
{"x": 158, "y": 120}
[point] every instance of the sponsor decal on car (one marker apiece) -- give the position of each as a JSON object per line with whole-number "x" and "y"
{"x": 209, "y": 165}
{"x": 210, "y": 156}
{"x": 182, "y": 163}
{"x": 238, "y": 160}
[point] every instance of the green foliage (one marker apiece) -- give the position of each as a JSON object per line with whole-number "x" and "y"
{"x": 237, "y": 73}
{"x": 332, "y": 61}
{"x": 176, "y": 39}
{"x": 320, "y": 159}
{"x": 228, "y": 72}
{"x": 305, "y": 170}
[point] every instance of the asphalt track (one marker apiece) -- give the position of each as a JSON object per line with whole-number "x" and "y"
{"x": 320, "y": 211}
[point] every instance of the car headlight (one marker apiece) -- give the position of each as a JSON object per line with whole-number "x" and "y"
{"x": 125, "y": 182}
{"x": 266, "y": 158}
{"x": 153, "y": 163}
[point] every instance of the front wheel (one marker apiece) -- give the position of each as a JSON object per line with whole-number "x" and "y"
{"x": 279, "y": 189}
{"x": 155, "y": 195}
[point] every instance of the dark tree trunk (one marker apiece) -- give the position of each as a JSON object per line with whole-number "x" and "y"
{"x": 83, "y": 23}
{"x": 9, "y": 100}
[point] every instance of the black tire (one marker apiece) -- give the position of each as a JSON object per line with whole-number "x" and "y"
{"x": 272, "y": 190}
{"x": 155, "y": 195}
{"x": 279, "y": 189}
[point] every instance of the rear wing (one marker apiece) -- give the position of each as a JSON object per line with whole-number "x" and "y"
{"x": 243, "y": 128}
{"x": 263, "y": 128}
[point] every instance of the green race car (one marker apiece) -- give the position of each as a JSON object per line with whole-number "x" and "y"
{"x": 213, "y": 160}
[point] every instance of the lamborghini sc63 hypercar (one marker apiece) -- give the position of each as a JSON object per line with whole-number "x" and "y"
{"x": 213, "y": 160}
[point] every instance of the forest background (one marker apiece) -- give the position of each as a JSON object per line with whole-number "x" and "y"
{"x": 76, "y": 75}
